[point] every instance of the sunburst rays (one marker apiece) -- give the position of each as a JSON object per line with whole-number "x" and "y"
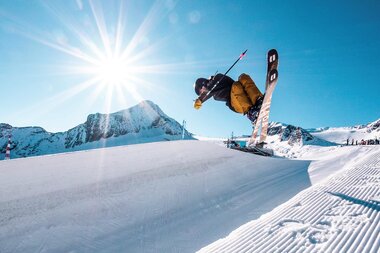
{"x": 113, "y": 60}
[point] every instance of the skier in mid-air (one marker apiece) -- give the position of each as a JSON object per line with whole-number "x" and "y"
{"x": 241, "y": 96}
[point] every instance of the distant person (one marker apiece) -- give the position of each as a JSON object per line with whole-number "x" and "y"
{"x": 241, "y": 96}
{"x": 348, "y": 141}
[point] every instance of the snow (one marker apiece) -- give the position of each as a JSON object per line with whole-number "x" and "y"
{"x": 159, "y": 197}
{"x": 187, "y": 196}
{"x": 336, "y": 215}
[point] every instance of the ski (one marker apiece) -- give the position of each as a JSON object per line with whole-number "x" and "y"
{"x": 255, "y": 150}
{"x": 270, "y": 85}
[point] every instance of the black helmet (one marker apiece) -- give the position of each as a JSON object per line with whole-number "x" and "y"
{"x": 199, "y": 83}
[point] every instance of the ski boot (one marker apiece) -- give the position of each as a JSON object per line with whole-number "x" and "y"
{"x": 253, "y": 112}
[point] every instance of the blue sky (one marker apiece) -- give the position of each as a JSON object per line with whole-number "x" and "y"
{"x": 52, "y": 53}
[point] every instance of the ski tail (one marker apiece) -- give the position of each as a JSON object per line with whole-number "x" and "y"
{"x": 273, "y": 76}
{"x": 262, "y": 120}
{"x": 270, "y": 84}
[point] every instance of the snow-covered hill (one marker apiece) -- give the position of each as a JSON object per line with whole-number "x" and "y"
{"x": 159, "y": 197}
{"x": 294, "y": 141}
{"x": 181, "y": 196}
{"x": 280, "y": 134}
{"x": 340, "y": 135}
{"x": 285, "y": 140}
{"x": 293, "y": 135}
{"x": 339, "y": 214}
{"x": 142, "y": 123}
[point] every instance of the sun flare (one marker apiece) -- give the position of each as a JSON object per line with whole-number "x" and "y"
{"x": 112, "y": 71}
{"x": 112, "y": 64}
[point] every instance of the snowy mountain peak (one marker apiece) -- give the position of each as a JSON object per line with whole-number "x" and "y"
{"x": 145, "y": 115}
{"x": 142, "y": 123}
{"x": 5, "y": 130}
{"x": 294, "y": 135}
{"x": 374, "y": 126}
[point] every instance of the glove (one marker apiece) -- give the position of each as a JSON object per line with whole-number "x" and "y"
{"x": 197, "y": 104}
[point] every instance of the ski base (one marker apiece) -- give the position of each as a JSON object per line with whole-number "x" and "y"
{"x": 255, "y": 150}
{"x": 270, "y": 84}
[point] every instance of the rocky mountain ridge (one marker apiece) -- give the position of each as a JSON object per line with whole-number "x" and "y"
{"x": 145, "y": 122}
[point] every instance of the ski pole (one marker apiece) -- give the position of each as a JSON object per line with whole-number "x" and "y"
{"x": 216, "y": 84}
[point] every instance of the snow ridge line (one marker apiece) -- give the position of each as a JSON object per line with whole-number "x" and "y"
{"x": 336, "y": 216}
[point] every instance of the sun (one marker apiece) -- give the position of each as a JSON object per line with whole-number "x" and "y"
{"x": 112, "y": 71}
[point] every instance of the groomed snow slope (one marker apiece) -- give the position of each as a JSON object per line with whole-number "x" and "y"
{"x": 158, "y": 197}
{"x": 339, "y": 214}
